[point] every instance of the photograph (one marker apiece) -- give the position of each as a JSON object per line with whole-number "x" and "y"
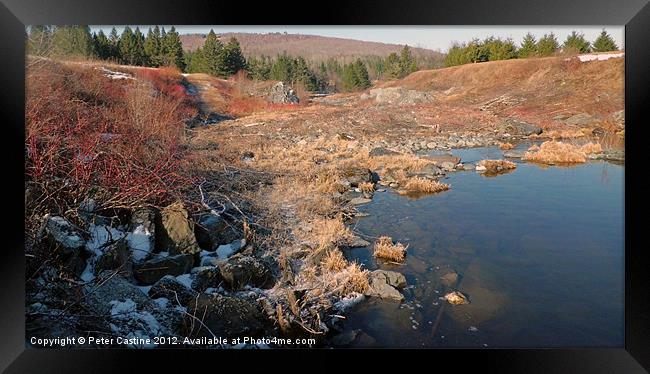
{"x": 315, "y": 187}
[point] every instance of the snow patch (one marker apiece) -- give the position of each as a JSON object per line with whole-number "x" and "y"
{"x": 600, "y": 56}
{"x": 348, "y": 302}
{"x": 185, "y": 280}
{"x": 140, "y": 242}
{"x": 114, "y": 74}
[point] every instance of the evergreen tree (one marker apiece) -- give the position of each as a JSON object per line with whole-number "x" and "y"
{"x": 114, "y": 41}
{"x": 604, "y": 43}
{"x": 39, "y": 41}
{"x": 393, "y": 65}
{"x": 407, "y": 62}
{"x": 127, "y": 47}
{"x": 302, "y": 74}
{"x": 212, "y": 58}
{"x": 72, "y": 41}
{"x": 234, "y": 59}
{"x": 528, "y": 46}
{"x": 173, "y": 49}
{"x": 102, "y": 45}
{"x": 282, "y": 69}
{"x": 139, "y": 54}
{"x": 547, "y": 45}
{"x": 576, "y": 43}
{"x": 362, "y": 78}
{"x": 501, "y": 49}
{"x": 152, "y": 47}
{"x": 355, "y": 76}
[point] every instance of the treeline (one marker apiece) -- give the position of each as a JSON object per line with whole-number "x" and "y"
{"x": 492, "y": 49}
{"x": 132, "y": 47}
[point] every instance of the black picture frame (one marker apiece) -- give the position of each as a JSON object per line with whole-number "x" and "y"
{"x": 633, "y": 357}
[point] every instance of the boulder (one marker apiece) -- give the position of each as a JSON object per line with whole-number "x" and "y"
{"x": 109, "y": 286}
{"x": 61, "y": 231}
{"x": 207, "y": 277}
{"x": 456, "y": 298}
{"x": 356, "y": 175}
{"x": 382, "y": 284}
{"x": 381, "y": 151}
{"x": 357, "y": 242}
{"x": 170, "y": 288}
{"x": 439, "y": 159}
{"x": 580, "y": 120}
{"x": 224, "y": 316}
{"x": 152, "y": 270}
{"x": 359, "y": 201}
{"x": 280, "y": 93}
{"x": 212, "y": 231}
{"x": 240, "y": 270}
{"x": 116, "y": 256}
{"x": 176, "y": 231}
{"x": 514, "y": 126}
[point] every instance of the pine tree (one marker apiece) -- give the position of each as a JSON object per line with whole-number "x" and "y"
{"x": 152, "y": 47}
{"x": 212, "y": 57}
{"x": 302, "y": 74}
{"x": 72, "y": 41}
{"x": 140, "y": 57}
{"x": 407, "y": 62}
{"x": 576, "y": 43}
{"x": 393, "y": 65}
{"x": 234, "y": 58}
{"x": 114, "y": 41}
{"x": 282, "y": 69}
{"x": 127, "y": 46}
{"x": 547, "y": 45}
{"x": 528, "y": 46}
{"x": 102, "y": 45}
{"x": 362, "y": 78}
{"x": 604, "y": 43}
{"x": 173, "y": 49}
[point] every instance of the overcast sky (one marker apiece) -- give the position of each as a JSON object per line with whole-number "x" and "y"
{"x": 432, "y": 37}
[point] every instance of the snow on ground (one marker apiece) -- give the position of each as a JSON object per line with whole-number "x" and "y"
{"x": 141, "y": 324}
{"x": 140, "y": 242}
{"x": 600, "y": 56}
{"x": 100, "y": 236}
{"x": 114, "y": 74}
{"x": 348, "y": 302}
{"x": 185, "y": 280}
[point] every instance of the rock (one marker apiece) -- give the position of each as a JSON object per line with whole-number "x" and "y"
{"x": 480, "y": 168}
{"x": 225, "y": 316}
{"x": 468, "y": 167}
{"x": 399, "y": 96}
{"x": 142, "y": 235}
{"x": 513, "y": 154}
{"x": 448, "y": 166}
{"x": 439, "y": 159}
{"x": 393, "y": 278}
{"x": 356, "y": 175}
{"x": 116, "y": 256}
{"x": 208, "y": 277}
{"x": 432, "y": 145}
{"x": 280, "y": 93}
{"x": 240, "y": 270}
{"x": 345, "y": 338}
{"x": 357, "y": 242}
{"x": 514, "y": 126}
{"x": 580, "y": 120}
{"x": 381, "y": 151}
{"x": 176, "y": 231}
{"x": 108, "y": 287}
{"x": 450, "y": 279}
{"x": 359, "y": 201}
{"x": 173, "y": 290}
{"x": 63, "y": 233}
{"x": 345, "y": 136}
{"x": 154, "y": 269}
{"x": 456, "y": 298}
{"x": 247, "y": 156}
{"x": 212, "y": 231}
{"x": 381, "y": 285}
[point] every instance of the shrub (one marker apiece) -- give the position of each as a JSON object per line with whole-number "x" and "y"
{"x": 553, "y": 152}
{"x": 418, "y": 184}
{"x": 385, "y": 249}
{"x": 366, "y": 187}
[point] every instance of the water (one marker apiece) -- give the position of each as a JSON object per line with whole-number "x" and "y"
{"x": 539, "y": 252}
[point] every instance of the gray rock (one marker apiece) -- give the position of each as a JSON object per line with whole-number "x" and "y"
{"x": 208, "y": 277}
{"x": 115, "y": 257}
{"x": 212, "y": 231}
{"x": 381, "y": 285}
{"x": 359, "y": 201}
{"x": 439, "y": 159}
{"x": 513, "y": 154}
{"x": 176, "y": 231}
{"x": 581, "y": 120}
{"x": 357, "y": 242}
{"x": 154, "y": 269}
{"x": 173, "y": 290}
{"x": 280, "y": 93}
{"x": 381, "y": 151}
{"x": 225, "y": 316}
{"x": 240, "y": 270}
{"x": 63, "y": 232}
{"x": 448, "y": 166}
{"x": 109, "y": 286}
{"x": 449, "y": 279}
{"x": 356, "y": 175}
{"x": 515, "y": 126}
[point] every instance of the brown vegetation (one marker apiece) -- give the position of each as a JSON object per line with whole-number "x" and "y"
{"x": 385, "y": 249}
{"x": 554, "y": 152}
{"x": 424, "y": 185}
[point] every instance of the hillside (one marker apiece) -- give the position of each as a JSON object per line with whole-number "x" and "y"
{"x": 312, "y": 47}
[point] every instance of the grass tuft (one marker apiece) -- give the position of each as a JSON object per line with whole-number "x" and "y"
{"x": 385, "y": 249}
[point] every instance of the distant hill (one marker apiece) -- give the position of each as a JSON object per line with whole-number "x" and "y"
{"x": 312, "y": 47}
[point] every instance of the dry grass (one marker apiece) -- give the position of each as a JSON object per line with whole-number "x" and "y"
{"x": 334, "y": 261}
{"x": 423, "y": 185}
{"x": 385, "y": 249}
{"x": 330, "y": 231}
{"x": 366, "y": 187}
{"x": 506, "y": 146}
{"x": 554, "y": 152}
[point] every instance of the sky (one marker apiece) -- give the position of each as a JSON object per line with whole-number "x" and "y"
{"x": 431, "y": 37}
